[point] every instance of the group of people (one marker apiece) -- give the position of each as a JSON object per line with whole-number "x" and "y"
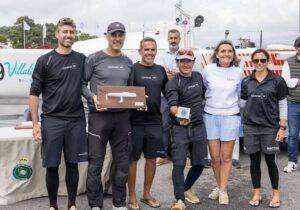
{"x": 213, "y": 99}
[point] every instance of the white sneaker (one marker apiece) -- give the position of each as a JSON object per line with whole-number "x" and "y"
{"x": 291, "y": 166}
{"x": 96, "y": 208}
{"x": 223, "y": 198}
{"x": 214, "y": 195}
{"x": 119, "y": 208}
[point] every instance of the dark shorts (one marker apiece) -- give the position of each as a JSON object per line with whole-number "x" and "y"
{"x": 146, "y": 139}
{"x": 257, "y": 138}
{"x": 193, "y": 143}
{"x": 64, "y": 135}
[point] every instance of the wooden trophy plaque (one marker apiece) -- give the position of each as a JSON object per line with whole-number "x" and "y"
{"x": 125, "y": 97}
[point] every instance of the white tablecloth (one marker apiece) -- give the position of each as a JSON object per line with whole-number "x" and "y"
{"x": 21, "y": 173}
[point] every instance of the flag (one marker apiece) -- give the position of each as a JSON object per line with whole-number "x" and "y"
{"x": 26, "y": 26}
{"x": 44, "y": 30}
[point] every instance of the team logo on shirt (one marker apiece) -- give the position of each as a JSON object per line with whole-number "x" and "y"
{"x": 119, "y": 67}
{"x": 152, "y": 77}
{"x": 230, "y": 79}
{"x": 193, "y": 85}
{"x": 22, "y": 171}
{"x": 261, "y": 95}
{"x": 72, "y": 66}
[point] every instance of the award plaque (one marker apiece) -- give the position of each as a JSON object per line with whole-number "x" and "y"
{"x": 115, "y": 97}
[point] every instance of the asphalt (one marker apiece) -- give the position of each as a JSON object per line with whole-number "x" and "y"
{"x": 240, "y": 190}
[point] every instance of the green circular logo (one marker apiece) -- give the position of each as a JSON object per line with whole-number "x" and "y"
{"x": 22, "y": 172}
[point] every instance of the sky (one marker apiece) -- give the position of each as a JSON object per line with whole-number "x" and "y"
{"x": 277, "y": 19}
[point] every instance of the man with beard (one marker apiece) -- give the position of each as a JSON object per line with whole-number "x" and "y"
{"x": 168, "y": 61}
{"x": 146, "y": 125}
{"x": 58, "y": 77}
{"x": 107, "y": 67}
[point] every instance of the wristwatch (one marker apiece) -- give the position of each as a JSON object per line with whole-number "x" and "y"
{"x": 283, "y": 127}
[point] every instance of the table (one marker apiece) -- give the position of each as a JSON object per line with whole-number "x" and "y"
{"x": 21, "y": 173}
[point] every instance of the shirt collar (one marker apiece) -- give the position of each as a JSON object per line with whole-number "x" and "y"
{"x": 172, "y": 53}
{"x": 218, "y": 64}
{"x": 270, "y": 75}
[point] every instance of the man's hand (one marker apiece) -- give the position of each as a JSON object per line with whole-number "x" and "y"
{"x": 143, "y": 109}
{"x": 280, "y": 135}
{"x": 184, "y": 122}
{"x": 96, "y": 102}
{"x": 37, "y": 134}
{"x": 170, "y": 72}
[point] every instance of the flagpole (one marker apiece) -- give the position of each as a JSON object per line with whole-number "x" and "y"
{"x": 23, "y": 36}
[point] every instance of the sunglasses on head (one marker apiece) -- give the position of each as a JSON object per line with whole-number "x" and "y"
{"x": 263, "y": 61}
{"x": 185, "y": 52}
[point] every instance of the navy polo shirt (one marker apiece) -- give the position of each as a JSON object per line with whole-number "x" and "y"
{"x": 262, "y": 99}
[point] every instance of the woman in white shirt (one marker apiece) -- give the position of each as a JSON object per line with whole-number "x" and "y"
{"x": 222, "y": 79}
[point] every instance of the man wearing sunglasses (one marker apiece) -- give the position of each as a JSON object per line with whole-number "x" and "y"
{"x": 185, "y": 91}
{"x": 107, "y": 67}
{"x": 58, "y": 77}
{"x": 168, "y": 61}
{"x": 291, "y": 74}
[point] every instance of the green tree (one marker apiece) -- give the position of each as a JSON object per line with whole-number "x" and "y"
{"x": 16, "y": 32}
{"x": 83, "y": 36}
{"x": 34, "y": 36}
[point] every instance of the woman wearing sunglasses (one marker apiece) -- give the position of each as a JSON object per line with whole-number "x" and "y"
{"x": 264, "y": 121}
{"x": 222, "y": 119}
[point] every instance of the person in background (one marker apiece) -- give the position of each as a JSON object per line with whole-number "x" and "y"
{"x": 291, "y": 75}
{"x": 108, "y": 67}
{"x": 58, "y": 77}
{"x": 186, "y": 89}
{"x": 168, "y": 61}
{"x": 146, "y": 125}
{"x": 263, "y": 95}
{"x": 222, "y": 119}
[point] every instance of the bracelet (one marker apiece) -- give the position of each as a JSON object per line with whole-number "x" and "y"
{"x": 283, "y": 127}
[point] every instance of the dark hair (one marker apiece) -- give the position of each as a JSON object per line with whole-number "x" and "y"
{"x": 65, "y": 21}
{"x": 263, "y": 51}
{"x": 297, "y": 41}
{"x": 146, "y": 39}
{"x": 235, "y": 59}
{"x": 174, "y": 31}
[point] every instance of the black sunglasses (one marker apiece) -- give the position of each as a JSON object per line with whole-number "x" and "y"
{"x": 263, "y": 61}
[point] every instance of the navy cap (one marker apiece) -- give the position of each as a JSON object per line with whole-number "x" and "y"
{"x": 115, "y": 26}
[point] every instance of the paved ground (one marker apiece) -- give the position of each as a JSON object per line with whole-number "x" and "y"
{"x": 239, "y": 190}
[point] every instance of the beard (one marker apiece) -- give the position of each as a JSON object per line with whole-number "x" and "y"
{"x": 174, "y": 46}
{"x": 66, "y": 44}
